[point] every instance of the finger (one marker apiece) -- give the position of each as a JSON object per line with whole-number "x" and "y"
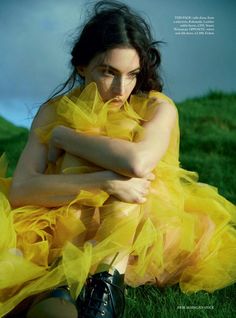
{"x": 143, "y": 192}
{"x": 147, "y": 184}
{"x": 151, "y": 176}
{"x": 142, "y": 200}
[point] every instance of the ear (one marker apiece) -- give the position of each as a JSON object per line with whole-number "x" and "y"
{"x": 81, "y": 70}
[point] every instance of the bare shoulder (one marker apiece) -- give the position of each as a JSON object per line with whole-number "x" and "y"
{"x": 45, "y": 115}
{"x": 163, "y": 110}
{"x": 161, "y": 97}
{"x": 33, "y": 158}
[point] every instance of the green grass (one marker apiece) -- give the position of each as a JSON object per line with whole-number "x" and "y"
{"x": 12, "y": 141}
{"x": 208, "y": 146}
{"x": 208, "y": 142}
{"x": 148, "y": 301}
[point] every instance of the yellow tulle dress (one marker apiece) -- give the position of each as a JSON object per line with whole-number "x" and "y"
{"x": 184, "y": 233}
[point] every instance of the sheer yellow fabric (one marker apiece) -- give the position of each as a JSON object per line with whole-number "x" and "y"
{"x": 184, "y": 233}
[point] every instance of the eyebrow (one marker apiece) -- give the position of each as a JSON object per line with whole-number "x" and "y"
{"x": 116, "y": 70}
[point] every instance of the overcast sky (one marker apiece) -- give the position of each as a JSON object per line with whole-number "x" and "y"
{"x": 36, "y": 38}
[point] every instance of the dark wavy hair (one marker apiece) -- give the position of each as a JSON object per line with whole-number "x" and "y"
{"x": 114, "y": 24}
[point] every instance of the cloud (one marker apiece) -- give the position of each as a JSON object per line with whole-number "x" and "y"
{"x": 33, "y": 39}
{"x": 36, "y": 37}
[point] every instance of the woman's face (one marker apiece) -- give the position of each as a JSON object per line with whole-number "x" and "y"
{"x": 115, "y": 73}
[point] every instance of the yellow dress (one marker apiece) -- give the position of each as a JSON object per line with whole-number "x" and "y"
{"x": 184, "y": 233}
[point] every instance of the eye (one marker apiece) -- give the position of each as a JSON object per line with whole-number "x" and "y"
{"x": 133, "y": 75}
{"x": 107, "y": 72}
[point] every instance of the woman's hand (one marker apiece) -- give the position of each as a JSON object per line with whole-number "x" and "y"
{"x": 131, "y": 190}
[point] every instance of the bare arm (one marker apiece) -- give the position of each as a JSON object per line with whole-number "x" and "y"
{"x": 127, "y": 158}
{"x": 30, "y": 186}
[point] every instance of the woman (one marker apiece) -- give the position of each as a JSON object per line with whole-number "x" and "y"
{"x": 98, "y": 192}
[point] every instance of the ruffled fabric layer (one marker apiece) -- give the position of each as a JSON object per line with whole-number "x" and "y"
{"x": 184, "y": 233}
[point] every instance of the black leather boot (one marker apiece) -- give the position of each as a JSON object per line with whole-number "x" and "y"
{"x": 59, "y": 300}
{"x": 103, "y": 296}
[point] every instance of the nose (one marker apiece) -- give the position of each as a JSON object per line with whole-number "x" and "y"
{"x": 119, "y": 86}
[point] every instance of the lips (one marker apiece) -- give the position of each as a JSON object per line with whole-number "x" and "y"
{"x": 117, "y": 100}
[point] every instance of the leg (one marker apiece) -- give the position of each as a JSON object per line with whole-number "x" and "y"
{"x": 56, "y": 303}
{"x": 46, "y": 306}
{"x": 123, "y": 219}
{"x": 53, "y": 308}
{"x": 104, "y": 291}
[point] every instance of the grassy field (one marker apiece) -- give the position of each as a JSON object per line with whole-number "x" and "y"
{"x": 12, "y": 141}
{"x": 208, "y": 140}
{"x": 208, "y": 146}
